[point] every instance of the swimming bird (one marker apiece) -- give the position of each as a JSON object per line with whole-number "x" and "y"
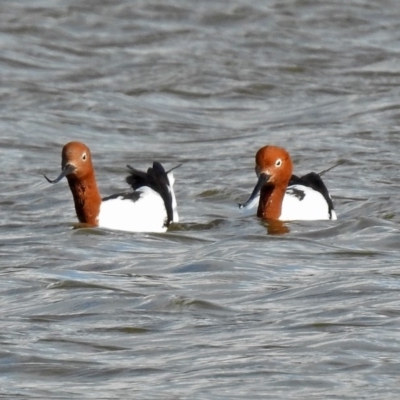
{"x": 150, "y": 207}
{"x": 284, "y": 196}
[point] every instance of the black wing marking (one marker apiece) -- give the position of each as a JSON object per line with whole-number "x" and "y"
{"x": 296, "y": 192}
{"x": 133, "y": 196}
{"x": 157, "y": 179}
{"x": 314, "y": 181}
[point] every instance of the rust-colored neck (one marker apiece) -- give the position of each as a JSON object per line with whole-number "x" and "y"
{"x": 86, "y": 197}
{"x": 270, "y": 205}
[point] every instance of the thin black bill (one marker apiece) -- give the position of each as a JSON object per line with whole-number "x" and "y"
{"x": 68, "y": 169}
{"x": 262, "y": 179}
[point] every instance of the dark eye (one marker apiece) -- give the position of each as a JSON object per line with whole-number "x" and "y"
{"x": 84, "y": 156}
{"x": 278, "y": 162}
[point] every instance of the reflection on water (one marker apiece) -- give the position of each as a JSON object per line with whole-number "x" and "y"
{"x": 277, "y": 228}
{"x": 223, "y": 305}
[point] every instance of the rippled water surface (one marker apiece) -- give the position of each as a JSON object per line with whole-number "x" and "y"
{"x": 221, "y": 306}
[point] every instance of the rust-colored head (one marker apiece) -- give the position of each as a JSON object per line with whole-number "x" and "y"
{"x": 76, "y": 162}
{"x": 276, "y": 164}
{"x": 76, "y": 156}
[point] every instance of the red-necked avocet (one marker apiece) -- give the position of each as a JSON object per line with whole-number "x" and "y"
{"x": 284, "y": 196}
{"x": 150, "y": 207}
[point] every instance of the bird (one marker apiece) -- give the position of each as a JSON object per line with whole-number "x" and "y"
{"x": 284, "y": 196}
{"x": 150, "y": 207}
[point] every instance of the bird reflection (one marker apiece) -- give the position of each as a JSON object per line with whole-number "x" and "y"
{"x": 276, "y": 227}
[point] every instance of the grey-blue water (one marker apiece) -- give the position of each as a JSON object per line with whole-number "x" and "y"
{"x": 219, "y": 307}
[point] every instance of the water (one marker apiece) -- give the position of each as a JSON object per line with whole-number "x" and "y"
{"x": 220, "y": 307}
